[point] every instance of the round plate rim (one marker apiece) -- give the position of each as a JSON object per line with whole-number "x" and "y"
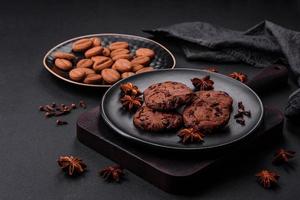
{"x": 182, "y": 148}
{"x": 94, "y": 35}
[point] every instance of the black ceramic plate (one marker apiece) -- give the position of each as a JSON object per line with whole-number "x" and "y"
{"x": 163, "y": 59}
{"x": 121, "y": 121}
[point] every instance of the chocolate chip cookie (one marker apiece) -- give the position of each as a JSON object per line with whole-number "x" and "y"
{"x": 167, "y": 95}
{"x": 150, "y": 120}
{"x": 209, "y": 110}
{"x": 219, "y": 96}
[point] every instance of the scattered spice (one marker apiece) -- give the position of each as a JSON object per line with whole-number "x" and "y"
{"x": 60, "y": 122}
{"x": 241, "y": 113}
{"x": 82, "y": 104}
{"x": 54, "y": 110}
{"x": 130, "y": 89}
{"x": 239, "y": 76}
{"x": 73, "y": 106}
{"x": 203, "y": 84}
{"x": 283, "y": 156}
{"x": 267, "y": 178}
{"x": 72, "y": 165}
{"x": 49, "y": 114}
{"x": 131, "y": 103}
{"x": 112, "y": 173}
{"x": 190, "y": 135}
{"x": 212, "y": 69}
{"x": 240, "y": 121}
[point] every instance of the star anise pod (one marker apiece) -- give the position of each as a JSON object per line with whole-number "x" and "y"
{"x": 131, "y": 103}
{"x": 130, "y": 89}
{"x": 212, "y": 69}
{"x": 203, "y": 84}
{"x": 190, "y": 135}
{"x": 71, "y": 165}
{"x": 282, "y": 156}
{"x": 112, "y": 173}
{"x": 267, "y": 178}
{"x": 239, "y": 76}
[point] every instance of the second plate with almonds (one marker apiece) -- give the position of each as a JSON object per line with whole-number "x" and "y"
{"x": 100, "y": 60}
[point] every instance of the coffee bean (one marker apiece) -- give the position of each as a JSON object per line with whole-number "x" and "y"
{"x": 123, "y": 65}
{"x": 145, "y": 52}
{"x": 63, "y": 64}
{"x": 127, "y": 74}
{"x": 87, "y": 63}
{"x": 136, "y": 67}
{"x": 102, "y": 63}
{"x": 110, "y": 75}
{"x": 142, "y": 60}
{"x": 76, "y": 74}
{"x": 119, "y": 51}
{"x": 96, "y": 41}
{"x": 87, "y": 71}
{"x": 145, "y": 69}
{"x": 82, "y": 45}
{"x": 106, "y": 52}
{"x": 121, "y": 56}
{"x": 118, "y": 45}
{"x": 93, "y": 52}
{"x": 93, "y": 79}
{"x": 63, "y": 55}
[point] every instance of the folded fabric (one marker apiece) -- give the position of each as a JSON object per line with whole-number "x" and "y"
{"x": 292, "y": 109}
{"x": 262, "y": 45}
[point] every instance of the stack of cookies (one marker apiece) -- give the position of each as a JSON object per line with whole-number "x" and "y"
{"x": 205, "y": 111}
{"x": 92, "y": 63}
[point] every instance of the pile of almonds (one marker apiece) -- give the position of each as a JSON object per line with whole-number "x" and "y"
{"x": 102, "y": 65}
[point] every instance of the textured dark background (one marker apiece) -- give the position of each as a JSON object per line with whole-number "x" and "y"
{"x": 30, "y": 144}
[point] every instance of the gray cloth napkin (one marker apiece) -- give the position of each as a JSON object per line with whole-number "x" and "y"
{"x": 262, "y": 45}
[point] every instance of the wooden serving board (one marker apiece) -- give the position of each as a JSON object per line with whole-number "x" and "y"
{"x": 172, "y": 172}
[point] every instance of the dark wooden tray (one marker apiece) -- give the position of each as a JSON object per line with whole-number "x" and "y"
{"x": 172, "y": 172}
